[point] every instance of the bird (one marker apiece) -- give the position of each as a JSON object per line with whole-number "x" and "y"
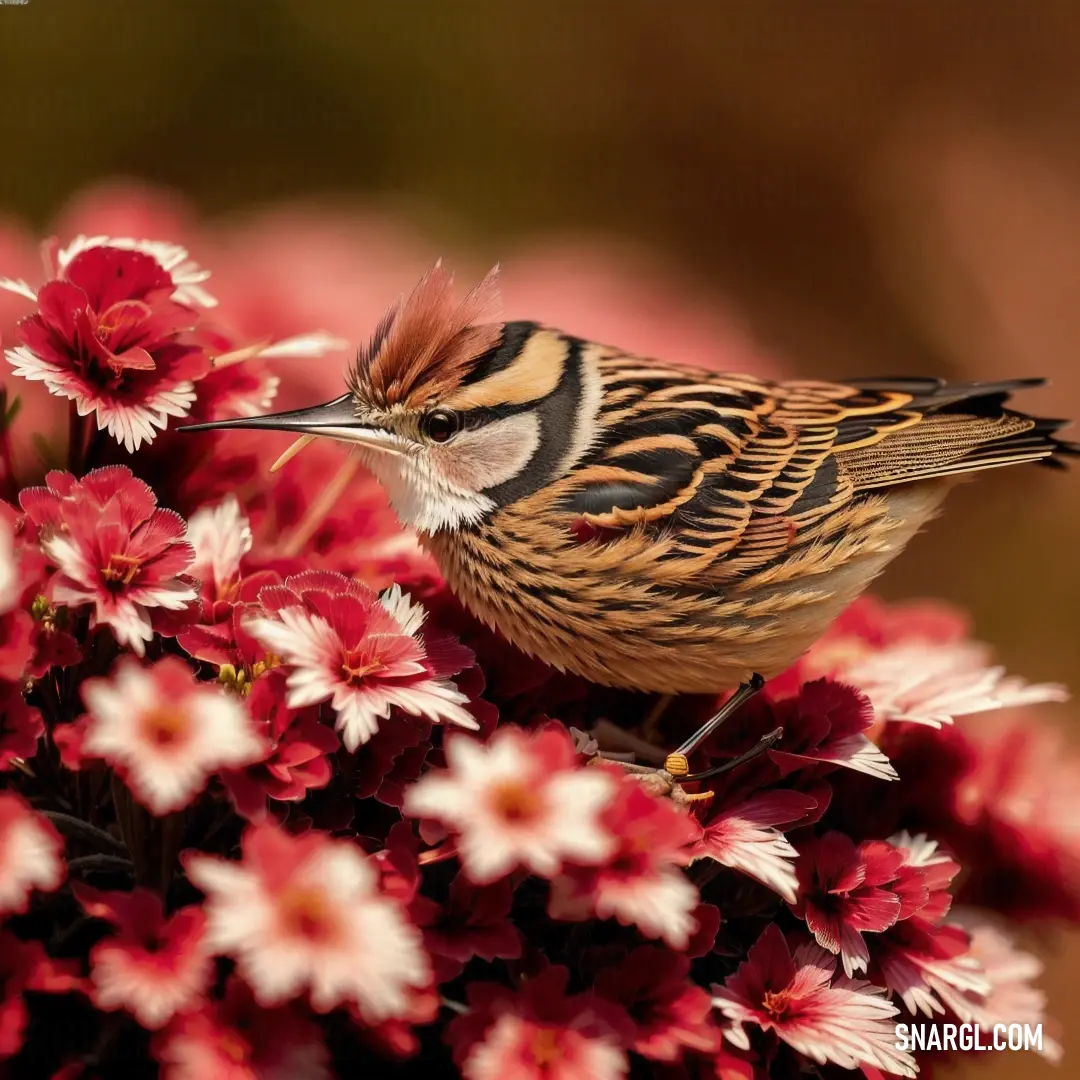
{"x": 648, "y": 525}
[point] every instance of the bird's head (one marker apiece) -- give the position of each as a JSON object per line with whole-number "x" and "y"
{"x": 454, "y": 413}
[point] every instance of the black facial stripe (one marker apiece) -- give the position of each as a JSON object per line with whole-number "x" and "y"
{"x": 514, "y": 337}
{"x": 557, "y": 414}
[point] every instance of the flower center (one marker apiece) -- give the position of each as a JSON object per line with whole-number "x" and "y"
{"x": 306, "y": 913}
{"x": 164, "y": 726}
{"x": 355, "y": 667}
{"x": 776, "y": 1004}
{"x": 121, "y": 570}
{"x": 545, "y": 1047}
{"x": 513, "y": 800}
{"x": 233, "y": 1046}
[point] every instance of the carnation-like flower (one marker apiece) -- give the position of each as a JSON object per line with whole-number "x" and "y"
{"x": 109, "y": 336}
{"x": 641, "y": 883}
{"x": 844, "y": 892}
{"x": 745, "y": 837}
{"x": 670, "y": 1013}
{"x": 114, "y": 548}
{"x": 831, "y": 1021}
{"x": 933, "y": 684}
{"x": 827, "y": 722}
{"x": 31, "y": 854}
{"x": 220, "y": 536}
{"x": 151, "y": 967}
{"x": 361, "y": 652}
{"x": 474, "y": 921}
{"x": 518, "y": 800}
{"x": 296, "y": 745}
{"x": 305, "y": 913}
{"x": 237, "y": 1039}
{"x": 539, "y": 1033}
{"x": 164, "y": 732}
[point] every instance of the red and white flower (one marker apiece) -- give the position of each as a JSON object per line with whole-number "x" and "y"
{"x": 844, "y": 892}
{"x": 670, "y": 1013}
{"x": 114, "y": 548}
{"x": 830, "y": 1021}
{"x": 517, "y": 800}
{"x": 164, "y": 732}
{"x": 641, "y": 882}
{"x": 297, "y": 744}
{"x": 361, "y": 652}
{"x": 151, "y": 967}
{"x": 745, "y": 837}
{"x": 109, "y": 336}
{"x": 539, "y": 1033}
{"x": 305, "y": 913}
{"x": 932, "y": 684}
{"x": 237, "y": 1039}
{"x": 31, "y": 854}
{"x": 220, "y": 536}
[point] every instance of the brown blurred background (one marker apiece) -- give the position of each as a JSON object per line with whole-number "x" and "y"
{"x": 877, "y": 188}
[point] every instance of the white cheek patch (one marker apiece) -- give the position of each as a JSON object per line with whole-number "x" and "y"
{"x": 422, "y": 499}
{"x": 487, "y": 456}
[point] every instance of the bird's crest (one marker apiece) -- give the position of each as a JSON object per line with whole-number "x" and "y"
{"x": 426, "y": 344}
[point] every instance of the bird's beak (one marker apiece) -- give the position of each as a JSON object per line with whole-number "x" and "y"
{"x": 334, "y": 420}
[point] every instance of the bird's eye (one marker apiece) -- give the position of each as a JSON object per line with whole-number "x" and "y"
{"x": 441, "y": 425}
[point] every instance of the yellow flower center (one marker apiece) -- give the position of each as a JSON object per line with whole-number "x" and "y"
{"x": 121, "y": 569}
{"x": 776, "y": 1004}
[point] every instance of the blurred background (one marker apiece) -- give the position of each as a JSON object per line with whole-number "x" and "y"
{"x": 823, "y": 190}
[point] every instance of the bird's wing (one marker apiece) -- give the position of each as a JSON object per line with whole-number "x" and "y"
{"x": 732, "y": 471}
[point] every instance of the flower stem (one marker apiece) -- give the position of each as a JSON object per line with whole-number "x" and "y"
{"x": 77, "y": 829}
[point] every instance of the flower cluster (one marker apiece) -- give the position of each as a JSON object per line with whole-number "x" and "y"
{"x": 272, "y": 804}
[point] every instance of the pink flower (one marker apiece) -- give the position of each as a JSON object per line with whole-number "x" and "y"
{"x": 669, "y": 1012}
{"x": 31, "y": 854}
{"x": 840, "y": 1022}
{"x": 1008, "y": 996}
{"x": 538, "y": 1033}
{"x": 164, "y": 732}
{"x": 305, "y": 912}
{"x": 744, "y": 837}
{"x": 108, "y": 335}
{"x": 844, "y": 892}
{"x": 297, "y": 745}
{"x": 220, "y": 536}
{"x": 114, "y": 548}
{"x": 152, "y": 967}
{"x": 237, "y": 1039}
{"x": 932, "y": 683}
{"x": 361, "y": 652}
{"x": 518, "y": 800}
{"x": 641, "y": 883}
{"x": 24, "y": 966}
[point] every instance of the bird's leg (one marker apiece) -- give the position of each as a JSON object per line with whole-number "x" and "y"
{"x": 677, "y": 763}
{"x": 766, "y": 742}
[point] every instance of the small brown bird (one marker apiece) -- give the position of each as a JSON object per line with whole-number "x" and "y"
{"x": 643, "y": 524}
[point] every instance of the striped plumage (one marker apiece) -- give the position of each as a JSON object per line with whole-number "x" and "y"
{"x": 644, "y": 524}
